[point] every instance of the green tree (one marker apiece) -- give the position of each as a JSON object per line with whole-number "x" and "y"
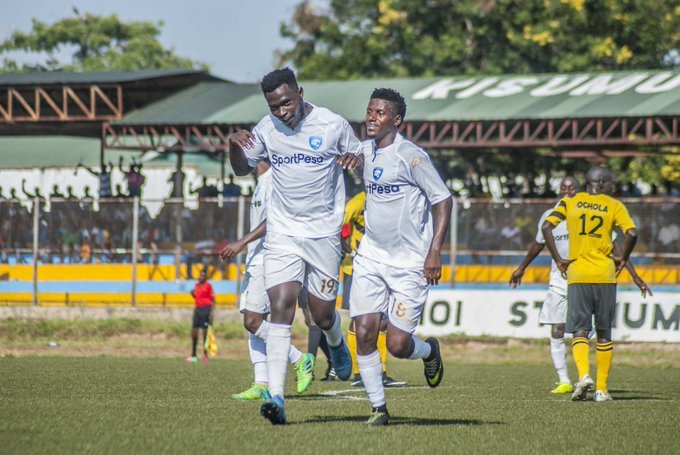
{"x": 394, "y": 38}
{"x": 351, "y": 39}
{"x": 97, "y": 43}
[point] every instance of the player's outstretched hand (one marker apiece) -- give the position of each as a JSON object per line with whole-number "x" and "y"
{"x": 433, "y": 268}
{"x": 516, "y": 277}
{"x": 563, "y": 265}
{"x": 231, "y": 250}
{"x": 644, "y": 289}
{"x": 350, "y": 161}
{"x": 244, "y": 139}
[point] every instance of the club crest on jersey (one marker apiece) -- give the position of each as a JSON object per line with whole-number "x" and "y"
{"x": 315, "y": 142}
{"x": 377, "y": 172}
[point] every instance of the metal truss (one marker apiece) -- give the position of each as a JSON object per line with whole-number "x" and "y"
{"x": 591, "y": 133}
{"x": 545, "y": 133}
{"x": 97, "y": 103}
{"x": 207, "y": 138}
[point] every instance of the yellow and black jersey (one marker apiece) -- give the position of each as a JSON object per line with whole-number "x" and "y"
{"x": 354, "y": 217}
{"x": 590, "y": 221}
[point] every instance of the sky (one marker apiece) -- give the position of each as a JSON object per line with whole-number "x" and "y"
{"x": 237, "y": 38}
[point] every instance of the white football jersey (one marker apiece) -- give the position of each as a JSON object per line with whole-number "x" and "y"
{"x": 308, "y": 190}
{"x": 402, "y": 185}
{"x": 561, "y": 236}
{"x": 258, "y": 213}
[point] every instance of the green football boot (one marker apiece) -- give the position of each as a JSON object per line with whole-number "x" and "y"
{"x": 304, "y": 372}
{"x": 255, "y": 392}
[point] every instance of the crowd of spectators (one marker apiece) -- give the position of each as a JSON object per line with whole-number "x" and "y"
{"x": 99, "y": 230}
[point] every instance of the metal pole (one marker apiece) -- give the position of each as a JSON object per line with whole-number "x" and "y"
{"x": 239, "y": 234}
{"x": 135, "y": 246}
{"x": 36, "y": 227}
{"x": 453, "y": 241}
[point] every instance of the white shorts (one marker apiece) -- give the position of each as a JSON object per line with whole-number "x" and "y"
{"x": 398, "y": 293}
{"x": 314, "y": 263}
{"x": 253, "y": 293}
{"x": 554, "y": 309}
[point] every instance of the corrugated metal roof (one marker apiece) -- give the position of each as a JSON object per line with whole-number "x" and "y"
{"x": 458, "y": 98}
{"x": 27, "y": 152}
{"x": 90, "y": 77}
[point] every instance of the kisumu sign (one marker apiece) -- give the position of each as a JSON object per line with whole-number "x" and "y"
{"x": 544, "y": 86}
{"x": 514, "y": 313}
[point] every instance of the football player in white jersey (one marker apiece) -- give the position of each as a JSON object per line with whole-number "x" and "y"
{"x": 308, "y": 147}
{"x": 408, "y": 207}
{"x": 254, "y": 300}
{"x": 554, "y": 309}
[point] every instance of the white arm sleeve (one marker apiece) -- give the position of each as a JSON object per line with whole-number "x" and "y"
{"x": 348, "y": 141}
{"x": 425, "y": 176}
{"x": 540, "y": 239}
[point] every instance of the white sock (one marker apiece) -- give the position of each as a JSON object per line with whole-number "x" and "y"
{"x": 278, "y": 347}
{"x": 370, "y": 368}
{"x": 258, "y": 356}
{"x": 263, "y": 331}
{"x": 558, "y": 352}
{"x": 294, "y": 355}
{"x": 421, "y": 349}
{"x": 334, "y": 334}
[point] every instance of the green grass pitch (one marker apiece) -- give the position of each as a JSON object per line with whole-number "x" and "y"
{"x": 121, "y": 405}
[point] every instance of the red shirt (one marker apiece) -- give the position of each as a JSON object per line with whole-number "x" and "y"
{"x": 203, "y": 294}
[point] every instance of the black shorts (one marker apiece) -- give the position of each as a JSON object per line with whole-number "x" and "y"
{"x": 202, "y": 317}
{"x": 346, "y": 287}
{"x": 588, "y": 300}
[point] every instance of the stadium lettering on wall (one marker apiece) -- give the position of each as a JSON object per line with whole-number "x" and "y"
{"x": 515, "y": 314}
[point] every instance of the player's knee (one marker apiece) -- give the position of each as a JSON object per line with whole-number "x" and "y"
{"x": 558, "y": 331}
{"x": 399, "y": 347}
{"x": 252, "y": 322}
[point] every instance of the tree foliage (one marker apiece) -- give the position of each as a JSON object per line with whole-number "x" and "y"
{"x": 96, "y": 43}
{"x": 395, "y": 38}
{"x": 351, "y": 39}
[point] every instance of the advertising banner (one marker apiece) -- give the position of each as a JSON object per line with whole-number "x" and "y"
{"x": 514, "y": 313}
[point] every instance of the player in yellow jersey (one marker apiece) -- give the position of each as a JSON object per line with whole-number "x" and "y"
{"x": 591, "y": 272}
{"x": 353, "y": 227}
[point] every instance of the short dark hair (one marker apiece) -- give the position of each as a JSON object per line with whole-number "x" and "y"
{"x": 277, "y": 78}
{"x": 393, "y": 97}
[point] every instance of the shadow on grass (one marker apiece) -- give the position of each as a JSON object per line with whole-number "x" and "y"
{"x": 641, "y": 395}
{"x": 397, "y": 421}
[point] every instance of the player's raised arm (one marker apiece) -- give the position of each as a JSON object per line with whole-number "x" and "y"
{"x": 238, "y": 143}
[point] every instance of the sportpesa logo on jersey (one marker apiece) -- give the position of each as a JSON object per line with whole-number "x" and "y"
{"x": 298, "y": 158}
{"x": 377, "y": 172}
{"x": 377, "y": 188}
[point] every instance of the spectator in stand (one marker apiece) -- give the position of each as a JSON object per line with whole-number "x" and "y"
{"x": 231, "y": 189}
{"x": 69, "y": 192}
{"x": 205, "y": 190}
{"x": 36, "y": 191}
{"x": 55, "y": 192}
{"x": 119, "y": 192}
{"x": 177, "y": 180}
{"x": 104, "y": 176}
{"x": 134, "y": 177}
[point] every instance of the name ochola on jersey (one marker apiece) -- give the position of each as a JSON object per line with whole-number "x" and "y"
{"x": 590, "y": 221}
{"x": 402, "y": 185}
{"x": 308, "y": 191}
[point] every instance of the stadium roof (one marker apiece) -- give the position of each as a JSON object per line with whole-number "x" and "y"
{"x": 91, "y": 77}
{"x": 579, "y": 110}
{"x": 26, "y": 152}
{"x": 462, "y": 98}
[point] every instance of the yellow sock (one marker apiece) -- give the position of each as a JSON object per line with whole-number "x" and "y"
{"x": 352, "y": 345}
{"x": 579, "y": 347}
{"x": 604, "y": 354}
{"x": 382, "y": 347}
